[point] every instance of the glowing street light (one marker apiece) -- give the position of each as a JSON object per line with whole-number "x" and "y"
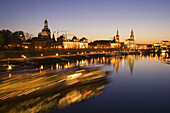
{"x": 41, "y": 67}
{"x": 10, "y": 75}
{"x": 9, "y": 67}
{"x": 56, "y": 54}
{"x": 41, "y": 54}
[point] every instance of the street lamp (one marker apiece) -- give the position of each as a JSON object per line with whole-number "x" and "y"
{"x": 9, "y": 67}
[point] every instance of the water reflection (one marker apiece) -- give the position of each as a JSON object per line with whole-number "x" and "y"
{"x": 115, "y": 61}
{"x": 53, "y": 100}
{"x": 131, "y": 60}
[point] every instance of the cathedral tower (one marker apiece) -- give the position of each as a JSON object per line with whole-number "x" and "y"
{"x": 45, "y": 24}
{"x": 132, "y": 35}
{"x": 117, "y": 37}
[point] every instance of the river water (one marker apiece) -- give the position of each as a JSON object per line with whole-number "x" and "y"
{"x": 135, "y": 84}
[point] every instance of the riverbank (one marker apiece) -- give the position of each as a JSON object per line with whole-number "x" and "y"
{"x": 39, "y": 53}
{"x": 37, "y": 62}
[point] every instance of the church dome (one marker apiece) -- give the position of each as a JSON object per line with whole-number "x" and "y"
{"x": 44, "y": 33}
{"x": 45, "y": 21}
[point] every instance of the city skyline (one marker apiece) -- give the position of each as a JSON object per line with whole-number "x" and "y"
{"x": 93, "y": 19}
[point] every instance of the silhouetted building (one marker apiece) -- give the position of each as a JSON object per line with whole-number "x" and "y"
{"x": 44, "y": 38}
{"x": 100, "y": 44}
{"x": 45, "y": 33}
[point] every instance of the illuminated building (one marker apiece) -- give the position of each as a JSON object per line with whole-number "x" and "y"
{"x": 117, "y": 37}
{"x": 44, "y": 38}
{"x": 142, "y": 46}
{"x": 115, "y": 43}
{"x": 162, "y": 44}
{"x": 63, "y": 42}
{"x": 39, "y": 43}
{"x": 45, "y": 33}
{"x": 130, "y": 43}
{"x": 26, "y": 44}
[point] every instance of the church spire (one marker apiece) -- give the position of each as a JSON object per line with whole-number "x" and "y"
{"x": 45, "y": 24}
{"x": 117, "y": 36}
{"x": 53, "y": 38}
{"x": 132, "y": 34}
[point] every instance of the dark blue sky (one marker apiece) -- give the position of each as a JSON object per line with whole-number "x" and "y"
{"x": 95, "y": 19}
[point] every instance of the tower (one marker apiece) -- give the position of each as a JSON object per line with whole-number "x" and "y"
{"x": 45, "y": 24}
{"x": 117, "y": 37}
{"x": 132, "y": 35}
{"x": 53, "y": 38}
{"x": 114, "y": 40}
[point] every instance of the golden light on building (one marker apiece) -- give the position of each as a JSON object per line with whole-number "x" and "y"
{"x": 57, "y": 66}
{"x": 167, "y": 55}
{"x": 26, "y": 47}
{"x": 77, "y": 62}
{"x": 42, "y": 67}
{"x": 9, "y": 67}
{"x": 51, "y": 67}
{"x": 10, "y": 75}
{"x": 41, "y": 54}
{"x": 56, "y": 54}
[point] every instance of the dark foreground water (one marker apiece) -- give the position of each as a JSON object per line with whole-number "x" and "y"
{"x": 135, "y": 84}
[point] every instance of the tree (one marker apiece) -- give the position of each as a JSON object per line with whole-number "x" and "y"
{"x": 28, "y": 35}
{"x": 1, "y": 39}
{"x": 20, "y": 35}
{"x": 6, "y": 36}
{"x": 16, "y": 39}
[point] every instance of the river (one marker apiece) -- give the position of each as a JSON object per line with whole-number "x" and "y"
{"x": 135, "y": 84}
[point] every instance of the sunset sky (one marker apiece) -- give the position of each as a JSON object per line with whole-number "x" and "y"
{"x": 94, "y": 19}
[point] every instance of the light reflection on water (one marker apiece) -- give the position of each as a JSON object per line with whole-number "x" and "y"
{"x": 138, "y": 84}
{"x": 56, "y": 99}
{"x": 115, "y": 61}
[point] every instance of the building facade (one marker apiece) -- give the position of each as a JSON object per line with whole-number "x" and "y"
{"x": 74, "y": 43}
{"x": 44, "y": 38}
{"x": 130, "y": 43}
